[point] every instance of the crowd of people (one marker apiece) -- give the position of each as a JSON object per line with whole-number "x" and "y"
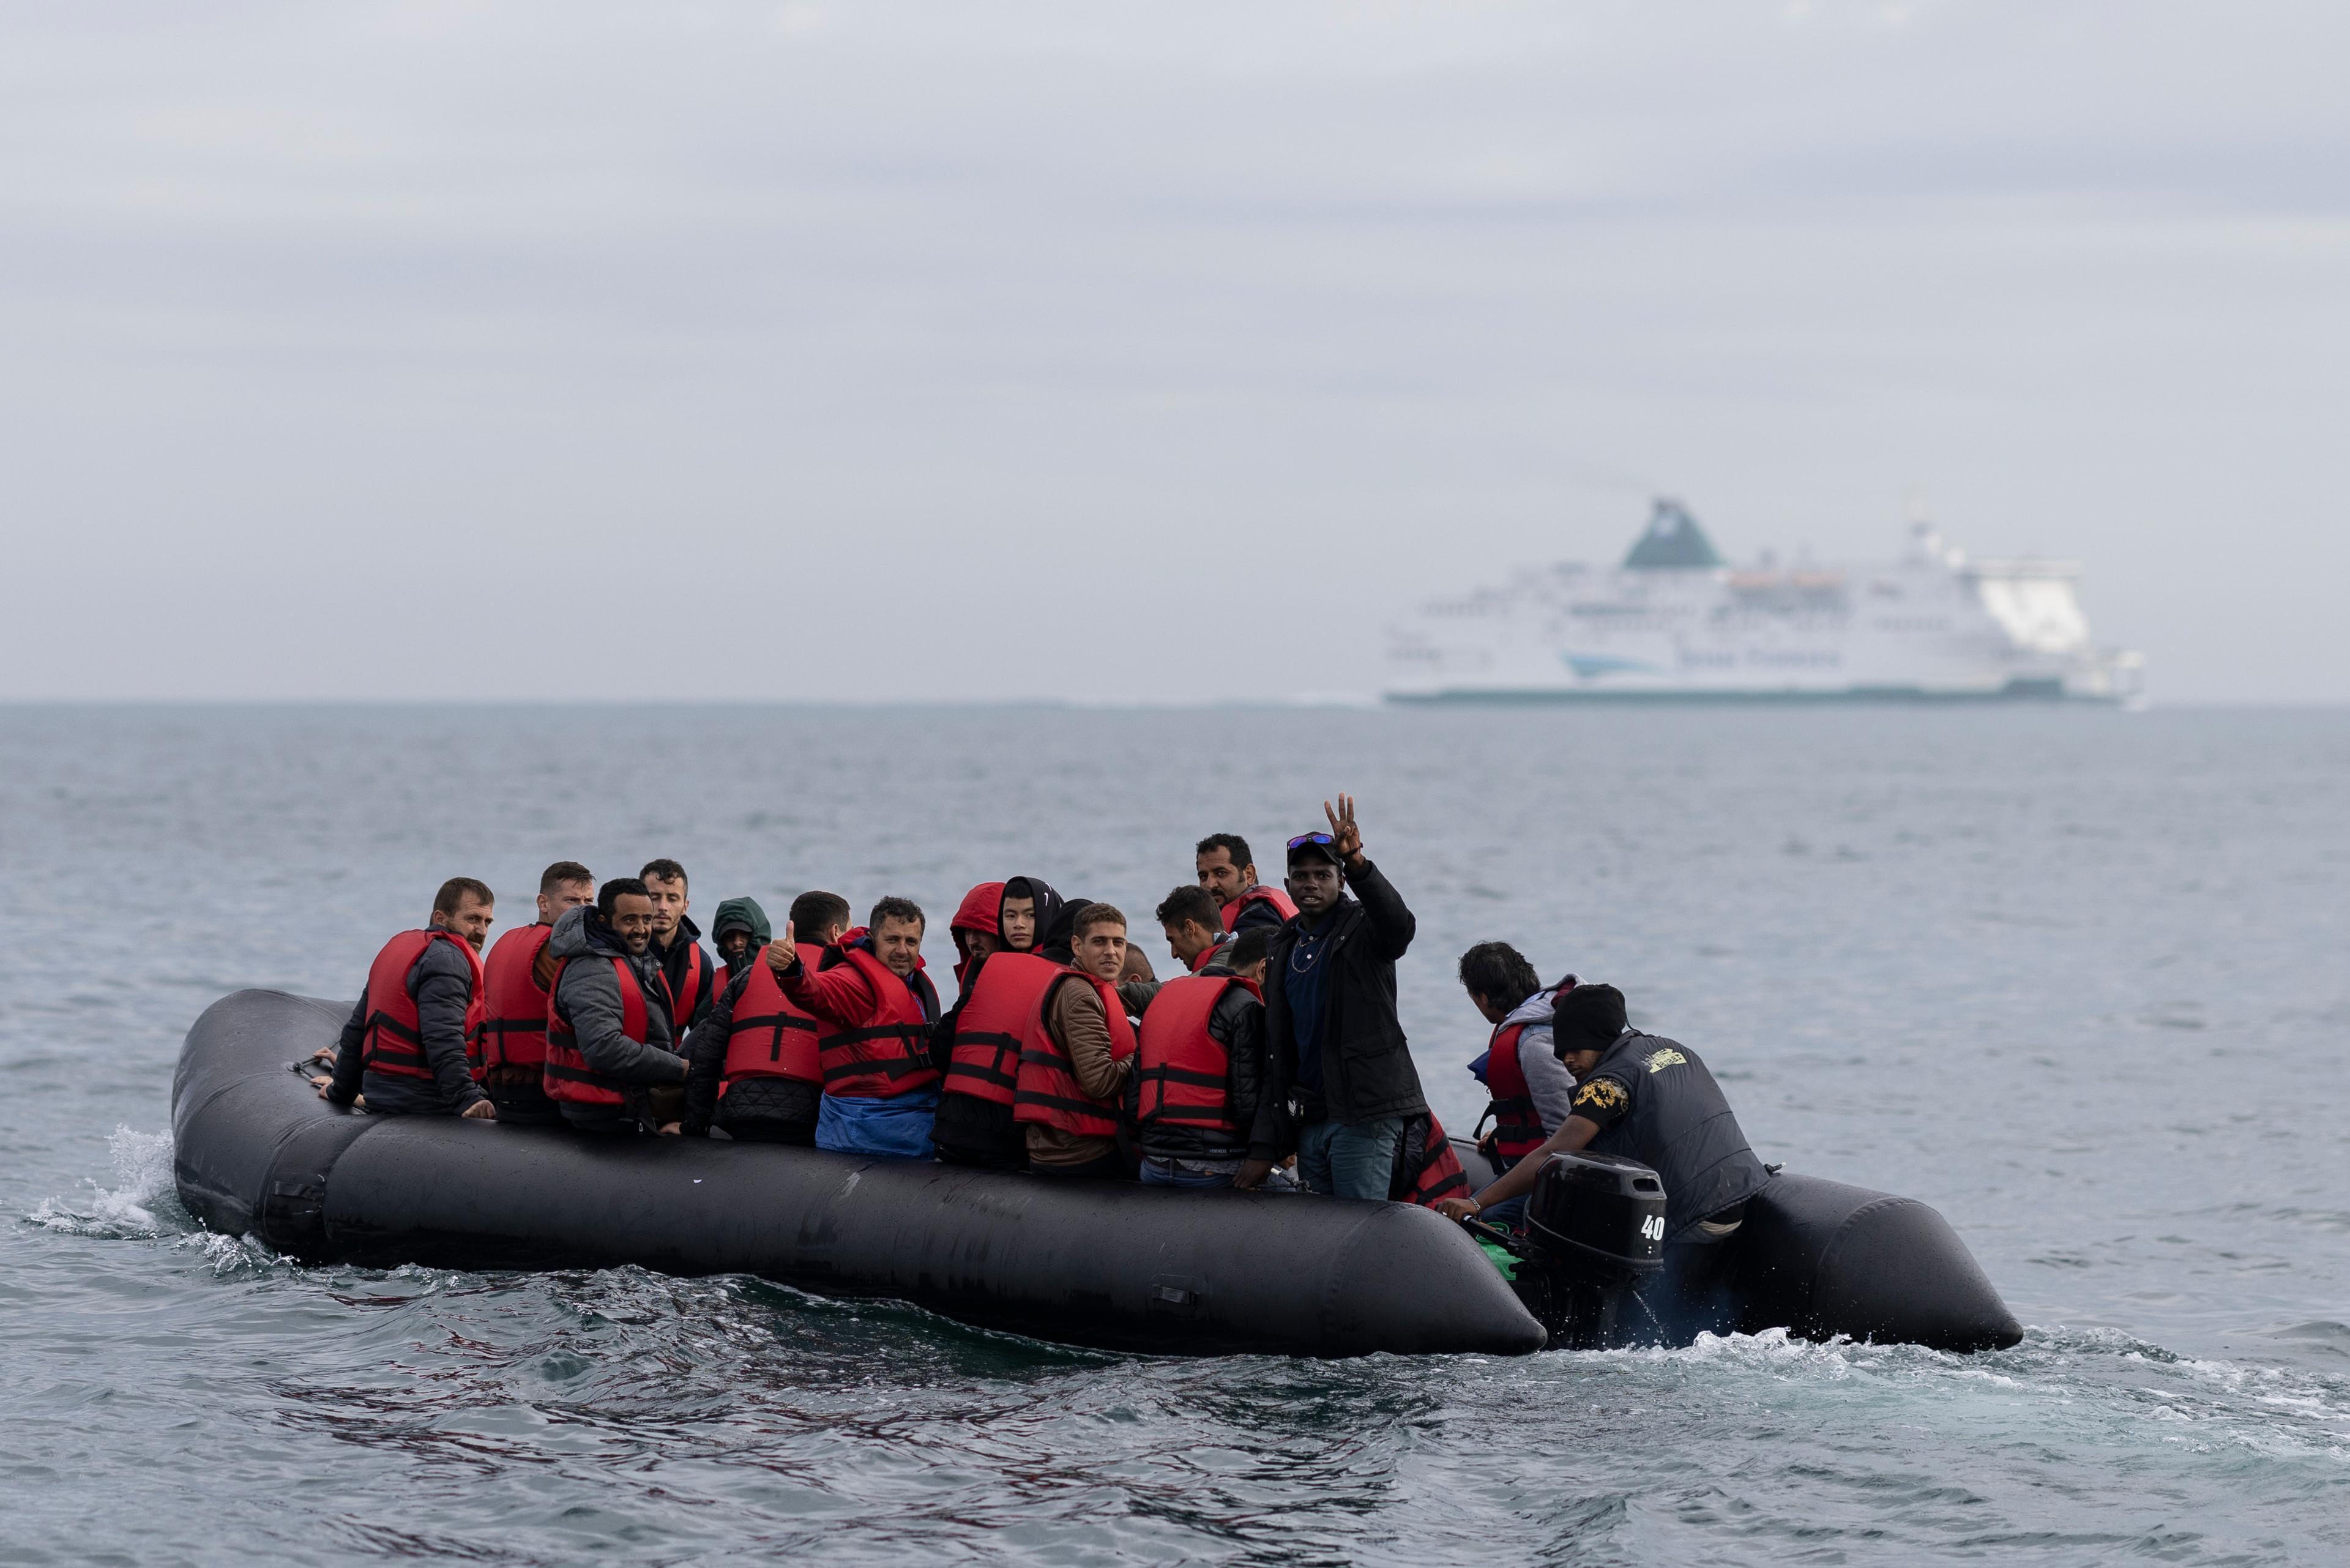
{"x": 1276, "y": 1059}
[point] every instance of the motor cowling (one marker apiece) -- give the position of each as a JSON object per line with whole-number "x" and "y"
{"x": 1596, "y": 1228}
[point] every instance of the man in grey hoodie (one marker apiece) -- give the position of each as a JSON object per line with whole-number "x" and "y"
{"x": 599, "y": 1072}
{"x": 1533, "y": 1090}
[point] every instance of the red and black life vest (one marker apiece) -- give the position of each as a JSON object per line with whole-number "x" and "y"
{"x": 890, "y": 1054}
{"x": 1049, "y": 1095}
{"x": 768, "y": 1036}
{"x": 395, "y": 1041}
{"x": 697, "y": 981}
{"x": 1517, "y": 1123}
{"x": 983, "y": 1060}
{"x": 567, "y": 1075}
{"x": 1208, "y": 955}
{"x": 1430, "y": 1171}
{"x": 513, "y": 1032}
{"x": 1260, "y": 894}
{"x": 1184, "y": 1071}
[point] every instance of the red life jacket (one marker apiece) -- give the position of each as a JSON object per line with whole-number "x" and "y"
{"x": 768, "y": 1037}
{"x": 983, "y": 1061}
{"x": 567, "y": 1075}
{"x": 1184, "y": 1071}
{"x": 1432, "y": 1173}
{"x": 1208, "y": 955}
{"x": 395, "y": 1041}
{"x": 513, "y": 1032}
{"x": 687, "y": 992}
{"x": 889, "y": 1054}
{"x": 1049, "y": 1095}
{"x": 1517, "y": 1123}
{"x": 1260, "y": 894}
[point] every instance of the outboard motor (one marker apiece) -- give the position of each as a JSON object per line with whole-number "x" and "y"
{"x": 1595, "y": 1237}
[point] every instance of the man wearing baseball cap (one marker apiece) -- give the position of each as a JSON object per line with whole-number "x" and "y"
{"x": 1337, "y": 1047}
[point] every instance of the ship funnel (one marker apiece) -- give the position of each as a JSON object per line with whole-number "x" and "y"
{"x": 1672, "y": 539}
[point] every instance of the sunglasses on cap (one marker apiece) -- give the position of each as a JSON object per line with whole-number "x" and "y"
{"x": 1302, "y": 839}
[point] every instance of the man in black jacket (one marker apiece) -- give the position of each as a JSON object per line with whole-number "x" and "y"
{"x": 1202, "y": 1144}
{"x": 1336, "y": 1045}
{"x": 443, "y": 985}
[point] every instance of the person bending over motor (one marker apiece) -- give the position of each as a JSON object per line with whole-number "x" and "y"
{"x": 610, "y": 1038}
{"x": 877, "y": 1007}
{"x": 1532, "y": 1089}
{"x": 1337, "y": 1048}
{"x": 1075, "y": 1056}
{"x": 756, "y": 1072}
{"x": 510, "y": 1047}
{"x": 404, "y": 1048}
{"x": 1649, "y": 1099}
{"x": 1227, "y": 872}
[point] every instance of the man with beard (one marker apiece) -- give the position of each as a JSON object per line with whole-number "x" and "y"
{"x": 876, "y": 1008}
{"x": 1228, "y": 873}
{"x": 609, "y": 1041}
{"x": 404, "y": 1046}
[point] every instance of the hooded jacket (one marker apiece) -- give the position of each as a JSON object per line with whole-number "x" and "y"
{"x": 1547, "y": 1079}
{"x": 1367, "y": 1067}
{"x": 1053, "y": 914}
{"x": 442, "y": 983}
{"x": 590, "y": 995}
{"x": 982, "y": 913}
{"x": 739, "y": 915}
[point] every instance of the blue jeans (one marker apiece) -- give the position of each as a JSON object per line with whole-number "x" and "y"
{"x": 1349, "y": 1162}
{"x": 1159, "y": 1172}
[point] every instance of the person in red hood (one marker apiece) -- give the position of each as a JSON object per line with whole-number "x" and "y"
{"x": 876, "y": 1009}
{"x": 974, "y": 928}
{"x": 976, "y": 1047}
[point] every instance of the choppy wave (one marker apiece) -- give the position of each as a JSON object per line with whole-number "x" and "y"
{"x": 142, "y": 1203}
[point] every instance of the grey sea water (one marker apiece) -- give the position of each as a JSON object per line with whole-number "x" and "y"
{"x": 2077, "y": 979}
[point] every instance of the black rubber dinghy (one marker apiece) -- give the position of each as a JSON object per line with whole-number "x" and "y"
{"x": 1099, "y": 1264}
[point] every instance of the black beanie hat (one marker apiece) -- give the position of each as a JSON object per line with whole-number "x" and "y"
{"x": 1588, "y": 1017}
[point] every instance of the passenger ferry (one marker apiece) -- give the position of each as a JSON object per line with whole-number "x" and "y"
{"x": 1677, "y": 622}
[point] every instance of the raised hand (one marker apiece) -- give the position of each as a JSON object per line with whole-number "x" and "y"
{"x": 782, "y": 952}
{"x": 1345, "y": 837}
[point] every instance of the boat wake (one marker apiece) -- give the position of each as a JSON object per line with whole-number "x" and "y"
{"x": 141, "y": 1205}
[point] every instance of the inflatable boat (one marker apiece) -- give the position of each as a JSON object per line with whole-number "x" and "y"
{"x": 1107, "y": 1265}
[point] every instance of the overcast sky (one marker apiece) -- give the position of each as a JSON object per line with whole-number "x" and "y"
{"x": 1107, "y": 352}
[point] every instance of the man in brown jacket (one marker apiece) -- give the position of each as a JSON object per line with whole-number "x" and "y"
{"x": 1076, "y": 1135}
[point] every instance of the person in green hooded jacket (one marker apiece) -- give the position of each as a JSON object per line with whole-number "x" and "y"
{"x": 740, "y": 930}
{"x": 757, "y": 1109}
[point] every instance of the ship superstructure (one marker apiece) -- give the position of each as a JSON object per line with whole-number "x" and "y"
{"x": 1675, "y": 621}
